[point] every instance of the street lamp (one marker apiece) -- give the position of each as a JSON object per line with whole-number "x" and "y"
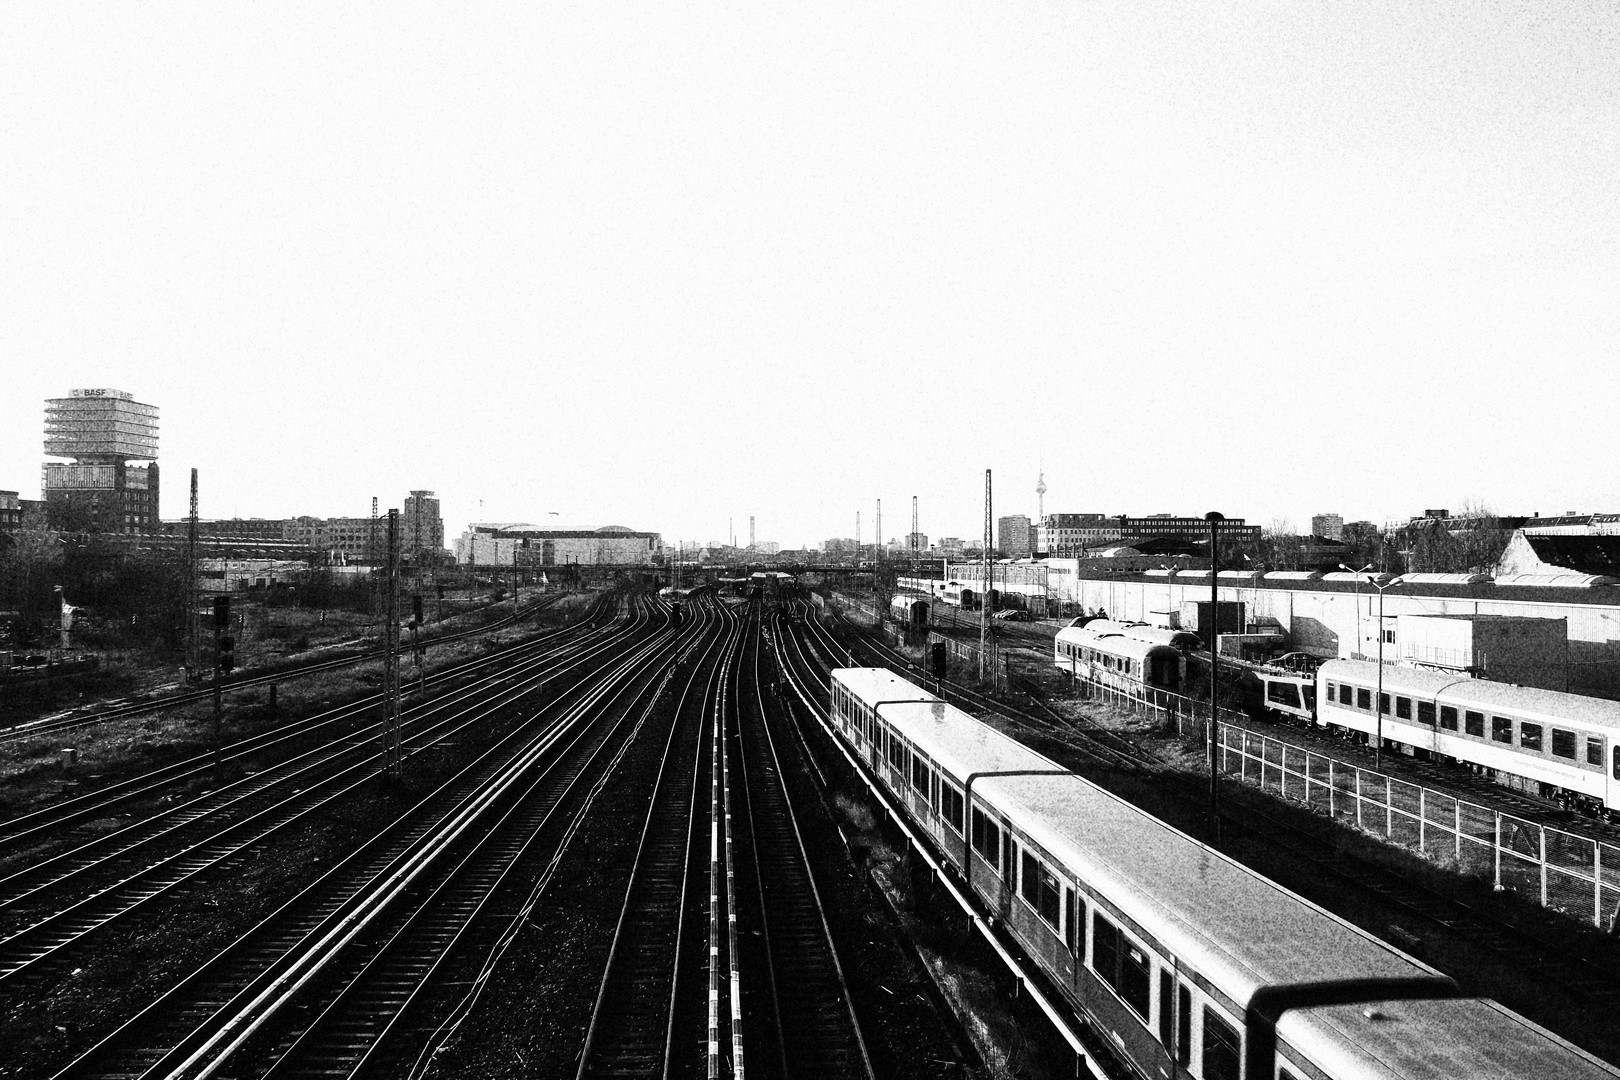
{"x": 1378, "y": 701}
{"x": 1214, "y": 518}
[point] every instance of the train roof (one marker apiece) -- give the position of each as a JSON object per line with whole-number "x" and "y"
{"x": 1237, "y": 928}
{"x": 1435, "y": 1039}
{"x": 1114, "y": 644}
{"x": 874, "y": 684}
{"x": 1482, "y": 694}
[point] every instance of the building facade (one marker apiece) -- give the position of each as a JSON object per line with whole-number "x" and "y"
{"x": 103, "y": 431}
{"x": 488, "y": 544}
{"x": 1328, "y": 525}
{"x": 1069, "y": 535}
{"x": 1013, "y": 535}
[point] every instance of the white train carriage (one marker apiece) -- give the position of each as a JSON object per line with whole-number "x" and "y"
{"x": 909, "y": 610}
{"x": 1194, "y": 966}
{"x": 1123, "y": 663}
{"x": 1180, "y": 640}
{"x": 1560, "y": 746}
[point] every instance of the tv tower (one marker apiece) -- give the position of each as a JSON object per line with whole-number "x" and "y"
{"x": 1040, "y": 495}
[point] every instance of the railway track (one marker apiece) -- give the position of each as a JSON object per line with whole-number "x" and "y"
{"x": 810, "y": 1028}
{"x": 52, "y": 822}
{"x": 68, "y": 722}
{"x": 652, "y": 977}
{"x": 321, "y": 985}
{"x": 54, "y": 905}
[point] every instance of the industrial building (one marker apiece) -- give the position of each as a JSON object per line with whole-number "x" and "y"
{"x": 500, "y": 543}
{"x": 338, "y": 541}
{"x": 99, "y": 490}
{"x": 1069, "y": 535}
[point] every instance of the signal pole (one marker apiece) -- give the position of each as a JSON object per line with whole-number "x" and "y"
{"x": 392, "y": 758}
{"x": 193, "y": 647}
{"x": 984, "y": 593}
{"x": 1214, "y": 518}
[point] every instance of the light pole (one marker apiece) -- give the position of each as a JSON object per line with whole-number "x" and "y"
{"x": 1214, "y": 518}
{"x": 1378, "y": 700}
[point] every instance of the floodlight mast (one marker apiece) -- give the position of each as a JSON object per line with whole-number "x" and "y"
{"x": 1378, "y": 702}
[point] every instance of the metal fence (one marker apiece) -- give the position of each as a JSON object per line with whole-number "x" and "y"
{"x": 1575, "y": 875}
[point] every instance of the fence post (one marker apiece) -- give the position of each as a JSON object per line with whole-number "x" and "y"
{"x": 1456, "y": 821}
{"x": 1496, "y": 849}
{"x": 1542, "y": 830}
{"x": 1597, "y": 884}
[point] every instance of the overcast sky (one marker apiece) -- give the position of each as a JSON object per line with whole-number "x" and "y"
{"x": 663, "y": 265}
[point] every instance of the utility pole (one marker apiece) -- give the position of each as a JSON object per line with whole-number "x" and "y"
{"x": 193, "y": 648}
{"x": 877, "y": 549}
{"x": 1214, "y": 518}
{"x": 914, "y": 540}
{"x": 750, "y": 535}
{"x": 393, "y": 758}
{"x": 984, "y": 593}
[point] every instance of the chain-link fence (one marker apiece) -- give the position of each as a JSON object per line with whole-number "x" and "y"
{"x": 1575, "y": 875}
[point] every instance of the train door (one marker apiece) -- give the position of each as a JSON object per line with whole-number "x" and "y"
{"x": 1009, "y": 869}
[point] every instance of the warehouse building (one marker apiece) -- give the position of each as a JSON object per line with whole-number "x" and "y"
{"x": 499, "y": 543}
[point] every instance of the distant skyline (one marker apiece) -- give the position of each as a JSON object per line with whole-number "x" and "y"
{"x": 669, "y": 266}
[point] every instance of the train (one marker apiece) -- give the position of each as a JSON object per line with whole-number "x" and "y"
{"x": 1561, "y": 747}
{"x": 1189, "y": 964}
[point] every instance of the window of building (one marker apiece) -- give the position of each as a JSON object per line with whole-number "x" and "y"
{"x": 1501, "y": 729}
{"x": 1563, "y": 743}
{"x": 1122, "y": 964}
{"x": 1222, "y": 1050}
{"x": 1474, "y": 723}
{"x": 1448, "y": 717}
{"x": 1039, "y": 887}
{"x": 1530, "y": 736}
{"x": 986, "y": 837}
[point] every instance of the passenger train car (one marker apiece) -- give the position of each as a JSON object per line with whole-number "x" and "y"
{"x": 1560, "y": 746}
{"x": 909, "y": 610}
{"x": 1193, "y": 966}
{"x": 1122, "y": 662}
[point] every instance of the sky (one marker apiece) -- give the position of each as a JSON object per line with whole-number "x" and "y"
{"x": 672, "y": 265}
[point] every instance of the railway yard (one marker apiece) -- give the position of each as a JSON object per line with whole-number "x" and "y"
{"x": 638, "y": 835}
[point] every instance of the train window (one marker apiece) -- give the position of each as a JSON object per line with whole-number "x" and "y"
{"x": 1363, "y": 698}
{"x": 1039, "y": 888}
{"x": 1448, "y": 717}
{"x": 1331, "y": 692}
{"x": 1286, "y": 1074}
{"x": 1474, "y": 723}
{"x": 1283, "y": 693}
{"x": 1222, "y": 1051}
{"x": 1501, "y": 729}
{"x": 1074, "y": 929}
{"x": 1563, "y": 743}
{"x": 986, "y": 837}
{"x": 1183, "y": 1025}
{"x": 1594, "y": 752}
{"x": 1426, "y": 713}
{"x": 919, "y": 774}
{"x": 1167, "y": 1008}
{"x": 1344, "y": 694}
{"x": 897, "y": 754}
{"x": 1530, "y": 736}
{"x": 1121, "y": 964}
{"x": 950, "y": 806}
{"x": 1403, "y": 708}
{"x": 1617, "y": 763}
{"x": 1383, "y": 704}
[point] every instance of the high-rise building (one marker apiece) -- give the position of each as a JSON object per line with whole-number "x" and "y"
{"x": 102, "y": 431}
{"x": 421, "y": 529}
{"x": 1013, "y": 535}
{"x": 1328, "y": 525}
